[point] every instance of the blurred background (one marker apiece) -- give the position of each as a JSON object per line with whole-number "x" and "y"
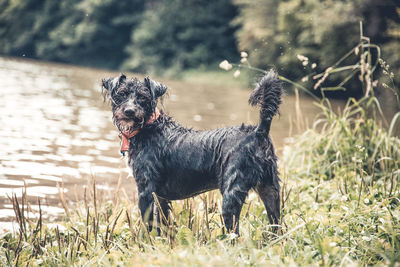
{"x": 56, "y": 128}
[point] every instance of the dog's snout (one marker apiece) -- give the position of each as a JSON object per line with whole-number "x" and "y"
{"x": 129, "y": 112}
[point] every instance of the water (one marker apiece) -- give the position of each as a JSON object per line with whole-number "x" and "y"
{"x": 56, "y": 128}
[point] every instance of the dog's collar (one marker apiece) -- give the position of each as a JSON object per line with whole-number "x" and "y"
{"x": 125, "y": 136}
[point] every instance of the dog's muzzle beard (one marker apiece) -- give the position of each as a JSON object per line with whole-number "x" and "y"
{"x": 128, "y": 121}
{"x": 124, "y": 126}
{"x": 127, "y": 135}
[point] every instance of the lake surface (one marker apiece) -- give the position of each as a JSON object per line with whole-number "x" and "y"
{"x": 56, "y": 128}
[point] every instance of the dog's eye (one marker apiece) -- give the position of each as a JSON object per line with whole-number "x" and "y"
{"x": 141, "y": 98}
{"x": 120, "y": 97}
{"x": 123, "y": 95}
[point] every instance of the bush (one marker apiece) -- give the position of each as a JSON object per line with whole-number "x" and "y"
{"x": 275, "y": 32}
{"x": 178, "y": 34}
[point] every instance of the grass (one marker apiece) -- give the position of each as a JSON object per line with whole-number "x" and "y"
{"x": 340, "y": 206}
{"x": 346, "y": 177}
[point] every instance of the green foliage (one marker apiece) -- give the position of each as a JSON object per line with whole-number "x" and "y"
{"x": 168, "y": 36}
{"x": 349, "y": 167}
{"x": 152, "y": 36}
{"x": 87, "y": 32}
{"x": 180, "y": 34}
{"x": 353, "y": 137}
{"x": 275, "y": 32}
{"x": 23, "y": 23}
{"x": 94, "y": 33}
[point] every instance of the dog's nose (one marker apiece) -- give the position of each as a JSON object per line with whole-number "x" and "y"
{"x": 130, "y": 112}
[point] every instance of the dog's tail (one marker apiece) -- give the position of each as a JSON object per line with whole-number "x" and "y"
{"x": 267, "y": 95}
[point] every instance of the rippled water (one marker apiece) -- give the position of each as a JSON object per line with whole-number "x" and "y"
{"x": 55, "y": 128}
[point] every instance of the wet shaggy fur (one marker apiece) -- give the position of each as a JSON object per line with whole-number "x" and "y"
{"x": 175, "y": 162}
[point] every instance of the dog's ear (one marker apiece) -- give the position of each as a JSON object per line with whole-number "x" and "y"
{"x": 111, "y": 84}
{"x": 156, "y": 88}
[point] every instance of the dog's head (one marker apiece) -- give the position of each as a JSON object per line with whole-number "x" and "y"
{"x": 133, "y": 101}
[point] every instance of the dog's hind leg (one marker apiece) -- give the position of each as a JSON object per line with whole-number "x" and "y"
{"x": 269, "y": 194}
{"x": 232, "y": 203}
{"x": 233, "y": 197}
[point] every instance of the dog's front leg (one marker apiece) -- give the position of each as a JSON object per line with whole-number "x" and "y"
{"x": 146, "y": 203}
{"x": 161, "y": 212}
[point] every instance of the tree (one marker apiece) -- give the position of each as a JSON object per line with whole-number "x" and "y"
{"x": 23, "y": 23}
{"x": 276, "y": 32}
{"x": 180, "y": 34}
{"x": 94, "y": 34}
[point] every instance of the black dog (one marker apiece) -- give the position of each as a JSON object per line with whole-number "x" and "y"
{"x": 176, "y": 163}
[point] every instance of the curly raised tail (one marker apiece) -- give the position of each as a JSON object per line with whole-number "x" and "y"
{"x": 267, "y": 95}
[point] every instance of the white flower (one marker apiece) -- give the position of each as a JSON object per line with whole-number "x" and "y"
{"x": 302, "y": 58}
{"x": 332, "y": 244}
{"x": 305, "y": 63}
{"x": 243, "y": 54}
{"x": 236, "y": 74}
{"x": 344, "y": 198}
{"x": 304, "y": 79}
{"x": 314, "y": 65}
{"x": 366, "y": 201}
{"x": 225, "y": 65}
{"x": 243, "y": 60}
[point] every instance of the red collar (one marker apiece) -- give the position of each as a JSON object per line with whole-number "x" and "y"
{"x": 125, "y": 136}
